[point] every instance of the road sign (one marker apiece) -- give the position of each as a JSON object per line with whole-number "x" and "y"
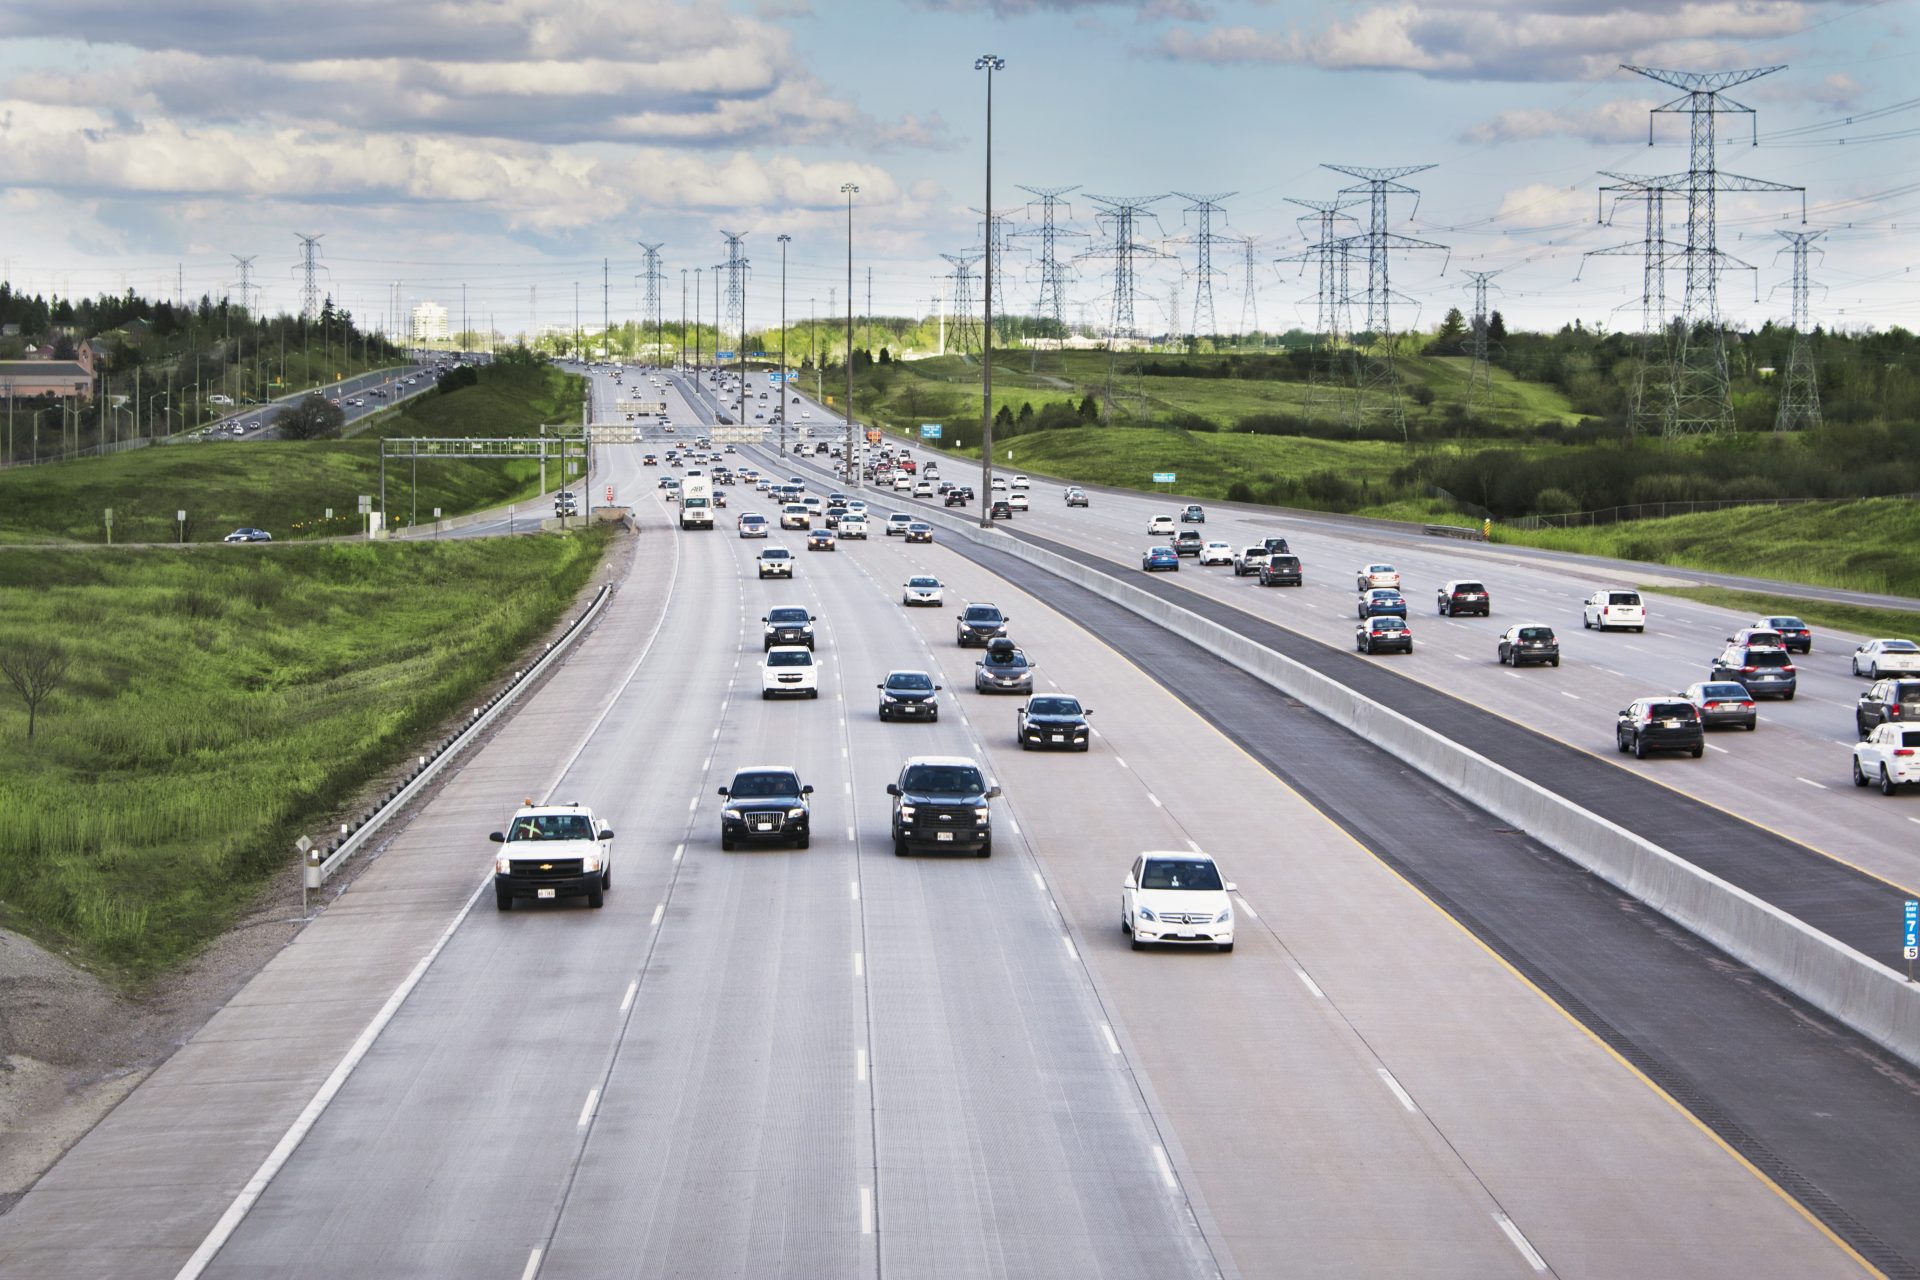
{"x": 1163, "y": 477}
{"x": 929, "y": 431}
{"x": 1913, "y": 930}
{"x": 366, "y": 503}
{"x": 776, "y": 378}
{"x": 723, "y": 355}
{"x": 609, "y": 495}
{"x": 755, "y": 434}
{"x": 757, "y": 355}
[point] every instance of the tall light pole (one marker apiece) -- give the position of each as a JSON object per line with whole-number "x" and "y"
{"x": 696, "y": 322}
{"x": 989, "y": 63}
{"x": 780, "y": 408}
{"x": 743, "y": 342}
{"x": 850, "y": 190}
{"x": 681, "y": 356}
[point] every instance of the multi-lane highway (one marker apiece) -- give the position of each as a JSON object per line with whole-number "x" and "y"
{"x": 839, "y": 1062}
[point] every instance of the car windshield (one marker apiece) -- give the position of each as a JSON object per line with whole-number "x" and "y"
{"x": 774, "y": 554}
{"x": 1536, "y": 633}
{"x": 982, "y": 613}
{"x": 1005, "y": 658}
{"x": 910, "y": 680}
{"x": 753, "y": 519}
{"x": 1671, "y": 711}
{"x": 552, "y": 826}
{"x": 788, "y": 615}
{"x": 1723, "y": 689}
{"x": 923, "y": 582}
{"x": 1897, "y": 646}
{"x": 1170, "y": 873}
{"x": 750, "y": 786}
{"x": 944, "y": 778}
{"x": 1054, "y": 707}
{"x": 1623, "y": 597}
{"x": 790, "y": 657}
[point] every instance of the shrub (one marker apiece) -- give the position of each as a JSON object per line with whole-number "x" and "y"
{"x": 1555, "y": 502}
{"x": 1240, "y": 491}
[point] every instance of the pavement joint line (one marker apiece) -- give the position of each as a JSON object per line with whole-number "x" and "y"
{"x": 1113, "y": 1043}
{"x": 1166, "y": 1167}
{"x": 283, "y": 1150}
{"x": 586, "y": 1111}
{"x": 1306, "y": 980}
{"x": 626, "y": 1001}
{"x": 1810, "y": 782}
{"x": 1406, "y": 1099}
{"x": 1520, "y": 1242}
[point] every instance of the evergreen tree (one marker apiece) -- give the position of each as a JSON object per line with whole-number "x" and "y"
{"x": 1090, "y": 408}
{"x": 1496, "y": 328}
{"x": 1452, "y": 330}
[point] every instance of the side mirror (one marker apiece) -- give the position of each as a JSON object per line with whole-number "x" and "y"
{"x": 1729, "y": 639}
{"x": 606, "y": 833}
{"x": 937, "y": 688}
{"x": 1086, "y": 711}
{"x": 880, "y": 686}
{"x": 807, "y": 790}
{"x": 498, "y": 837}
{"x": 763, "y": 617}
{"x": 1625, "y": 713}
{"x": 893, "y": 788}
{"x": 722, "y": 790}
{"x": 993, "y": 792}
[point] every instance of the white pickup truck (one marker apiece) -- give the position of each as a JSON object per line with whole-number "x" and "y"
{"x": 550, "y": 852}
{"x": 1890, "y": 758}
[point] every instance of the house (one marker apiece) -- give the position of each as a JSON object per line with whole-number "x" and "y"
{"x": 21, "y": 379}
{"x": 94, "y": 355}
{"x": 137, "y": 331}
{"x": 9, "y": 330}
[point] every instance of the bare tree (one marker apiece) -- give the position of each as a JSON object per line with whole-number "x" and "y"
{"x": 35, "y": 668}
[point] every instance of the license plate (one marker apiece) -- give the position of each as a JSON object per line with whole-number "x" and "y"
{"x": 1058, "y": 738}
{"x": 543, "y": 893}
{"x": 943, "y": 835}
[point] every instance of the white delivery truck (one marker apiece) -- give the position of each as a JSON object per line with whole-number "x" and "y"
{"x": 696, "y": 503}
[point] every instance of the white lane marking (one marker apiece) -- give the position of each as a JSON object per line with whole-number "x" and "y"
{"x": 1810, "y": 782}
{"x": 1071, "y": 953}
{"x": 1156, "y": 800}
{"x": 283, "y": 1150}
{"x": 1842, "y": 742}
{"x": 1721, "y": 750}
{"x": 1166, "y": 1167}
{"x": 678, "y": 850}
{"x": 1463, "y": 657}
{"x": 1113, "y": 1045}
{"x": 855, "y": 886}
{"x": 1610, "y": 671}
{"x": 1195, "y": 847}
{"x": 1248, "y": 908}
{"x": 1122, "y": 763}
{"x": 850, "y": 835}
{"x": 846, "y": 788}
{"x": 716, "y": 735}
{"x": 659, "y": 911}
{"x": 533, "y": 1265}
{"x": 586, "y": 1111}
{"x": 1914, "y": 820}
{"x": 1574, "y": 696}
{"x": 1406, "y": 1099}
{"x": 1310, "y": 984}
{"x": 693, "y": 804}
{"x": 1520, "y": 1242}
{"x": 1014, "y": 823}
{"x": 866, "y": 1211}
{"x": 859, "y": 1064}
{"x": 626, "y": 1001}
{"x": 1041, "y": 881}
{"x": 1514, "y": 675}
{"x": 859, "y": 964}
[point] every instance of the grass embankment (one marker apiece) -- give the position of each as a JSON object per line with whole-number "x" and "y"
{"x": 219, "y": 701}
{"x": 286, "y": 487}
{"x": 1817, "y": 614}
{"x": 1866, "y": 545}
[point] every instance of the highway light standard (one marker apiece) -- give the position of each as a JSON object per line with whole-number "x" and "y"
{"x": 696, "y": 321}
{"x": 680, "y": 357}
{"x": 850, "y": 190}
{"x": 989, "y": 63}
{"x": 780, "y": 409}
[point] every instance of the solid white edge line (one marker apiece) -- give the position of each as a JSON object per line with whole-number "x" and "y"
{"x": 1195, "y": 846}
{"x": 283, "y": 1150}
{"x": 1113, "y": 1044}
{"x": 1166, "y": 1167}
{"x": 1310, "y": 984}
{"x": 626, "y": 1001}
{"x": 586, "y": 1111}
{"x": 866, "y": 1211}
{"x": 1520, "y": 1242}
{"x": 533, "y": 1265}
{"x": 1406, "y": 1099}
{"x": 1122, "y": 763}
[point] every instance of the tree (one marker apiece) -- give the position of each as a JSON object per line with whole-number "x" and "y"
{"x": 1090, "y": 408}
{"x": 1025, "y": 418}
{"x": 313, "y": 417}
{"x": 1452, "y": 329}
{"x": 35, "y": 669}
{"x": 1496, "y": 328}
{"x": 1003, "y": 420}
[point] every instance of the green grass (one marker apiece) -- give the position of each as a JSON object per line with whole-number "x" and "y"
{"x": 286, "y": 487}
{"x": 1815, "y": 613}
{"x": 219, "y": 702}
{"x": 1866, "y": 545}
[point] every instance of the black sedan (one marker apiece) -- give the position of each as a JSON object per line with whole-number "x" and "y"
{"x": 1723, "y": 702}
{"x": 248, "y": 535}
{"x": 1529, "y": 642}
{"x": 1376, "y": 635}
{"x": 1052, "y": 721}
{"x": 908, "y": 695}
{"x": 766, "y": 803}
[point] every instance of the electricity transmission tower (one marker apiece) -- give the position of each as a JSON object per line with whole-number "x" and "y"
{"x": 994, "y": 234}
{"x": 1480, "y": 378}
{"x": 1652, "y": 379}
{"x": 310, "y": 264}
{"x": 1120, "y": 220}
{"x": 1054, "y": 274}
{"x": 1700, "y": 398}
{"x": 1800, "y": 389}
{"x": 1203, "y": 240}
{"x": 966, "y": 326}
{"x": 734, "y": 320}
{"x": 650, "y": 300}
{"x": 246, "y": 286}
{"x": 1250, "y": 292}
{"x": 1330, "y": 253}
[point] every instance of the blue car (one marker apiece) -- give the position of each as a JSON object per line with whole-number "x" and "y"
{"x": 1382, "y": 602}
{"x": 1160, "y": 558}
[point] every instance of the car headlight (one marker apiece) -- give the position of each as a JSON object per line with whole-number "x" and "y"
{"x": 590, "y": 863}
{"x": 980, "y": 814}
{"x": 796, "y": 813}
{"x": 503, "y": 864}
{"x": 733, "y": 814}
{"x": 1147, "y": 914}
{"x": 906, "y": 811}
{"x": 1224, "y": 916}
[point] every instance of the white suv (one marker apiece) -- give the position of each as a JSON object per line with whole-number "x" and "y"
{"x": 1161, "y": 525}
{"x": 1176, "y": 898}
{"x": 789, "y": 669}
{"x": 898, "y": 522}
{"x": 1614, "y": 608}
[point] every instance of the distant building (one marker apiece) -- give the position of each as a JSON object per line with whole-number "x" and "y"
{"x": 429, "y": 322}
{"x": 21, "y": 379}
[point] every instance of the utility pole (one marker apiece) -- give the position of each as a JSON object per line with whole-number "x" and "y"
{"x": 696, "y": 321}
{"x": 780, "y": 408}
{"x": 990, "y": 64}
{"x": 854, "y": 456}
{"x": 606, "y": 307}
{"x": 680, "y": 352}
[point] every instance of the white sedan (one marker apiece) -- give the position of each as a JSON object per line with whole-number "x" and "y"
{"x": 1376, "y": 575}
{"x": 1876, "y": 658}
{"x": 1176, "y": 898}
{"x": 789, "y": 669}
{"x": 1889, "y": 758}
{"x": 922, "y": 589}
{"x": 1161, "y": 525}
{"x": 1216, "y": 553}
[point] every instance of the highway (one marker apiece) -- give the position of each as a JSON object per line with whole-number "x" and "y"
{"x": 838, "y": 1062}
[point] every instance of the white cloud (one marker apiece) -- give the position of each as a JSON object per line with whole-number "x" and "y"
{"x": 1614, "y": 123}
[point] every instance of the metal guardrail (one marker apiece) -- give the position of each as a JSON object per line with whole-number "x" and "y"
{"x": 1466, "y": 532}
{"x": 321, "y": 864}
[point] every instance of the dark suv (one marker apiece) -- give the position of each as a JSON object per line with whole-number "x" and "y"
{"x": 1660, "y": 724}
{"x": 1461, "y": 597}
{"x": 1897, "y": 700}
{"x": 1764, "y": 671}
{"x": 787, "y": 626}
{"x": 1187, "y": 542}
{"x": 940, "y": 802}
{"x": 1282, "y": 571}
{"x": 977, "y": 624}
{"x": 766, "y": 803}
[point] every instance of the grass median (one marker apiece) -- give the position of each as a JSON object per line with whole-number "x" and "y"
{"x": 218, "y": 701}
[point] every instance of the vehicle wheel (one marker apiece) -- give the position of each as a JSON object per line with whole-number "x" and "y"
{"x": 766, "y": 695}
{"x": 503, "y": 899}
{"x": 1226, "y": 946}
{"x": 1440, "y": 609}
{"x": 1789, "y": 697}
{"x": 1873, "y": 672}
{"x": 1753, "y": 724}
{"x": 1139, "y": 945}
{"x": 986, "y": 850}
{"x": 1698, "y": 752}
{"x": 1556, "y": 662}
{"x": 899, "y": 847}
{"x": 813, "y": 693}
{"x": 1859, "y": 775}
{"x": 1021, "y": 739}
{"x": 606, "y": 878}
{"x": 1585, "y": 623}
{"x": 726, "y": 843}
{"x": 1084, "y": 746}
{"x": 1639, "y": 749}
{"x": 805, "y": 841}
{"x": 934, "y": 716}
{"x": 1886, "y": 782}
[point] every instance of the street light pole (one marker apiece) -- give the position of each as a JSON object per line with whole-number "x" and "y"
{"x": 743, "y": 342}
{"x": 680, "y": 356}
{"x": 850, "y": 190}
{"x": 781, "y": 407}
{"x": 989, "y": 63}
{"x": 696, "y": 321}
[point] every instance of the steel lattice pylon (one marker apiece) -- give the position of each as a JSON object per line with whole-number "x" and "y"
{"x": 1204, "y": 321}
{"x": 1700, "y": 398}
{"x": 1480, "y": 378}
{"x": 734, "y": 319}
{"x": 1329, "y": 252}
{"x": 1052, "y": 302}
{"x": 310, "y": 264}
{"x": 1653, "y": 387}
{"x": 1250, "y": 294}
{"x": 1120, "y": 220}
{"x": 650, "y": 297}
{"x": 1800, "y": 388}
{"x": 246, "y": 285}
{"x": 966, "y": 326}
{"x": 994, "y": 234}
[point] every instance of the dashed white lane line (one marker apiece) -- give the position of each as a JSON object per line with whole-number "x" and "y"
{"x": 1040, "y": 881}
{"x": 1520, "y": 1242}
{"x": 1574, "y": 696}
{"x": 1406, "y": 1099}
{"x": 1248, "y": 908}
{"x": 533, "y": 1265}
{"x": 855, "y": 886}
{"x": 1156, "y": 800}
{"x": 1195, "y": 846}
{"x": 1015, "y": 825}
{"x": 866, "y": 1211}
{"x": 1166, "y": 1167}
{"x": 693, "y": 804}
{"x": 1810, "y": 782}
{"x": 851, "y": 835}
{"x": 678, "y": 850}
{"x": 1463, "y": 657}
{"x": 859, "y": 1064}
{"x": 1122, "y": 763}
{"x": 1072, "y": 952}
{"x": 1916, "y": 821}
{"x": 626, "y": 1001}
{"x": 1310, "y": 984}
{"x": 658, "y": 911}
{"x": 716, "y": 735}
{"x": 859, "y": 964}
{"x": 1722, "y": 750}
{"x": 586, "y": 1111}
{"x": 1113, "y": 1044}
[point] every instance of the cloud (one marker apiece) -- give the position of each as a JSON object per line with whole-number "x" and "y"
{"x": 1610, "y": 124}
{"x": 1534, "y": 40}
{"x": 1143, "y": 10}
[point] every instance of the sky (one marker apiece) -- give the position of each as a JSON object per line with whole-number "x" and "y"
{"x": 511, "y": 147}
